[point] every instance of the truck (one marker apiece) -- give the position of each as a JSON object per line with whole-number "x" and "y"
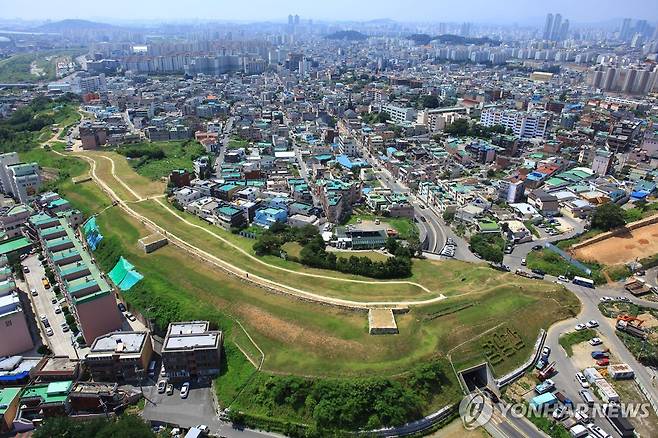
{"x": 545, "y": 386}
{"x": 563, "y": 399}
{"x": 633, "y": 330}
{"x": 546, "y": 372}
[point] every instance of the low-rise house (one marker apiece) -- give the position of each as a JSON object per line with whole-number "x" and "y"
{"x": 228, "y": 217}
{"x": 9, "y": 402}
{"x": 190, "y": 349}
{"x": 544, "y": 202}
{"x": 266, "y": 217}
{"x": 119, "y": 356}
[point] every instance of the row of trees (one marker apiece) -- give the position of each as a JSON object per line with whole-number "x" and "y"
{"x": 314, "y": 253}
{"x": 350, "y": 404}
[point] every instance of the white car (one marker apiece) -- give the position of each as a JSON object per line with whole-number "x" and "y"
{"x": 43, "y": 318}
{"x": 58, "y": 309}
{"x": 130, "y": 316}
{"x": 582, "y": 380}
{"x": 49, "y": 331}
{"x": 185, "y": 390}
{"x": 162, "y": 386}
{"x": 580, "y": 327}
{"x": 560, "y": 413}
{"x": 595, "y": 341}
{"x": 34, "y": 292}
{"x": 563, "y": 278}
{"x": 65, "y": 328}
{"x": 593, "y": 323}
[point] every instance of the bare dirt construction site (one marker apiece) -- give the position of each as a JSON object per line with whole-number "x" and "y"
{"x": 622, "y": 248}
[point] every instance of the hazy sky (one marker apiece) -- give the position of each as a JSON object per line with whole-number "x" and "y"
{"x": 506, "y": 11}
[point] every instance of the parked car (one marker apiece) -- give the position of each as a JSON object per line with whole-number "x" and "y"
{"x": 184, "y": 390}
{"x": 580, "y": 327}
{"x": 541, "y": 364}
{"x": 53, "y": 300}
{"x": 562, "y": 278}
{"x": 26, "y": 269}
{"x": 600, "y": 354}
{"x": 592, "y": 323}
{"x": 58, "y": 309}
{"x": 545, "y": 352}
{"x": 65, "y": 328}
{"x": 43, "y": 318}
{"x": 523, "y": 262}
{"x": 170, "y": 389}
{"x": 538, "y": 272}
{"x": 596, "y": 432}
{"x": 34, "y": 292}
{"x": 560, "y": 413}
{"x": 49, "y": 331}
{"x": 130, "y": 316}
{"x": 603, "y": 362}
{"x": 582, "y": 380}
{"x": 162, "y": 386}
{"x": 121, "y": 307}
{"x": 595, "y": 341}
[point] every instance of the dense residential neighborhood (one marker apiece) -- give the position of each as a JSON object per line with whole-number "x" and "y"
{"x": 312, "y": 228}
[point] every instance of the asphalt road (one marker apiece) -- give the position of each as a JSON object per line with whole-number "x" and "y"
{"x": 59, "y": 342}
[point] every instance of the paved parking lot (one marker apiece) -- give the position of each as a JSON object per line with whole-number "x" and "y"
{"x": 197, "y": 408}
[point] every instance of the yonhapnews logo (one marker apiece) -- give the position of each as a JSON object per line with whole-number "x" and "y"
{"x": 475, "y": 410}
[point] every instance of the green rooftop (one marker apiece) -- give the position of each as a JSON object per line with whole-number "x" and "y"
{"x": 55, "y": 392}
{"x": 14, "y": 245}
{"x": 7, "y": 395}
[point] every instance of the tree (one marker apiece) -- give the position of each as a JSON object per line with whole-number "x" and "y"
{"x": 429, "y": 101}
{"x": 459, "y": 128}
{"x": 128, "y": 426}
{"x": 608, "y": 216}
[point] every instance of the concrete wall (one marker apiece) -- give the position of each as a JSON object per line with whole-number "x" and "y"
{"x": 98, "y": 317}
{"x": 15, "y": 334}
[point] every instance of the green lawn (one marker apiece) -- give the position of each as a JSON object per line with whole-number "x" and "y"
{"x": 372, "y": 255}
{"x": 236, "y": 143}
{"x": 405, "y": 227}
{"x": 567, "y": 341}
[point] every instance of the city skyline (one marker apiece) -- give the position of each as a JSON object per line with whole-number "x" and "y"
{"x": 479, "y": 11}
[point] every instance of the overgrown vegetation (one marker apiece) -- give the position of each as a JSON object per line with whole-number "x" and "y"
{"x": 17, "y": 68}
{"x": 157, "y": 159}
{"x": 570, "y": 339}
{"x": 350, "y": 404}
{"x": 551, "y": 263}
{"x": 314, "y": 253}
{"x": 489, "y": 246}
{"x": 128, "y": 426}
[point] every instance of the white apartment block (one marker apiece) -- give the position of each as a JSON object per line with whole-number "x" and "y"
{"x": 523, "y": 124}
{"x": 399, "y": 114}
{"x": 347, "y": 146}
{"x": 21, "y": 180}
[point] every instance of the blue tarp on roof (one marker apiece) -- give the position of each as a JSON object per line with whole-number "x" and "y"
{"x": 93, "y": 240}
{"x": 640, "y": 194}
{"x": 14, "y": 377}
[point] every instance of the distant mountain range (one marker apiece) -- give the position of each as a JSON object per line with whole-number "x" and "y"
{"x": 423, "y": 39}
{"x": 74, "y": 25}
{"x": 349, "y": 35}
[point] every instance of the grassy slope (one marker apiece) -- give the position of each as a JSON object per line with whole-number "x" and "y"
{"x": 17, "y": 67}
{"x": 178, "y": 155}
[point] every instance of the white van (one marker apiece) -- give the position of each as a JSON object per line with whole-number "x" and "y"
{"x": 587, "y": 397}
{"x": 152, "y": 369}
{"x": 578, "y": 431}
